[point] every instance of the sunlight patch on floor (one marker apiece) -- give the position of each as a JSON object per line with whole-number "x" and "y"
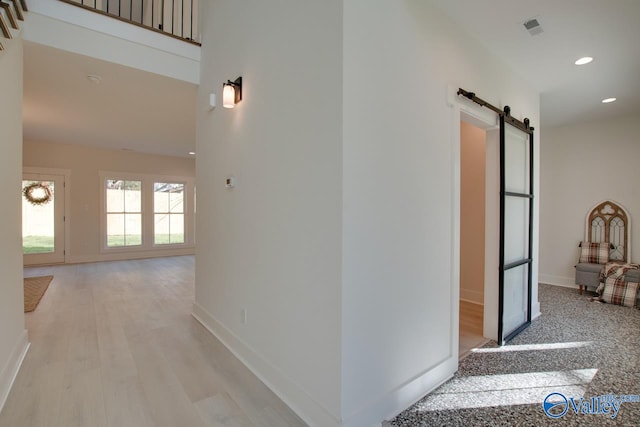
{"x": 533, "y": 347}
{"x": 507, "y": 389}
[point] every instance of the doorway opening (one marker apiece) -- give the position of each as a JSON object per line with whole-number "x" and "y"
{"x": 473, "y": 241}
{"x": 508, "y": 222}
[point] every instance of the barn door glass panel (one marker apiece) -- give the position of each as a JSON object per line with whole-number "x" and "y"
{"x": 515, "y": 231}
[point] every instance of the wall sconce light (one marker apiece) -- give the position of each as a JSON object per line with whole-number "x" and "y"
{"x": 231, "y": 93}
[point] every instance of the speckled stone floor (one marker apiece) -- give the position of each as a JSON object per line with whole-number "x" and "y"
{"x": 577, "y": 347}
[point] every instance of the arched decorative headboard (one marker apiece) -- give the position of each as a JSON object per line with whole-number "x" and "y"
{"x": 610, "y": 222}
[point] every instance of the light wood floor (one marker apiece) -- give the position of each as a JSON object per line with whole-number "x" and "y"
{"x": 471, "y": 325}
{"x": 114, "y": 344}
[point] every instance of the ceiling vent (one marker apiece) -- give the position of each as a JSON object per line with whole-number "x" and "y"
{"x": 533, "y": 26}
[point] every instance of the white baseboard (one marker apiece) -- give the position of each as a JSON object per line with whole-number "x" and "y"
{"x": 470, "y": 295}
{"x": 123, "y": 256}
{"x": 395, "y": 401}
{"x": 387, "y": 406}
{"x": 472, "y": 302}
{"x": 567, "y": 282}
{"x": 312, "y": 412}
{"x": 11, "y": 368}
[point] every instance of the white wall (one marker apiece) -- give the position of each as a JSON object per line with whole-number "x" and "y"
{"x": 401, "y": 145}
{"x": 582, "y": 165}
{"x": 340, "y": 239}
{"x": 13, "y": 336}
{"x": 472, "y": 211}
{"x": 272, "y": 245}
{"x": 84, "y": 208}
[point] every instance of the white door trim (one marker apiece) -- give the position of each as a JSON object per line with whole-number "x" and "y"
{"x": 463, "y": 109}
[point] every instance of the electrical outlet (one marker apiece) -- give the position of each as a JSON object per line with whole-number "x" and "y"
{"x": 244, "y": 316}
{"x": 230, "y": 182}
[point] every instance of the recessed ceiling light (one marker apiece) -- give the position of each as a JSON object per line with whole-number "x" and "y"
{"x": 608, "y": 100}
{"x": 94, "y": 78}
{"x": 583, "y": 60}
{"x": 193, "y": 153}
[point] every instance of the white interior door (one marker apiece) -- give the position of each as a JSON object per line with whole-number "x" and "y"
{"x": 43, "y": 219}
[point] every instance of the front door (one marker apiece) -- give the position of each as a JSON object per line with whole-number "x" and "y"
{"x": 43, "y": 218}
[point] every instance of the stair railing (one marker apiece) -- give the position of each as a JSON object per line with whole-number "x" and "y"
{"x": 176, "y": 18}
{"x": 14, "y": 11}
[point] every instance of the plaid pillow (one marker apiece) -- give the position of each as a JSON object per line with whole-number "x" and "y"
{"x": 594, "y": 253}
{"x": 619, "y": 292}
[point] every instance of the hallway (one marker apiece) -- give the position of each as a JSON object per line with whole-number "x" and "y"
{"x": 114, "y": 344}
